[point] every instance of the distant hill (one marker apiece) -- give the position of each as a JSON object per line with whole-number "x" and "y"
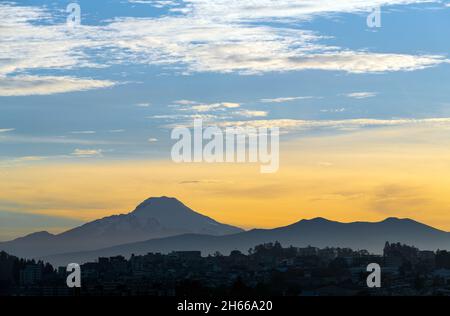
{"x": 153, "y": 218}
{"x": 317, "y": 232}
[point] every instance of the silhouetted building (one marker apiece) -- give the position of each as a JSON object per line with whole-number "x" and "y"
{"x": 32, "y": 274}
{"x": 187, "y": 255}
{"x": 267, "y": 269}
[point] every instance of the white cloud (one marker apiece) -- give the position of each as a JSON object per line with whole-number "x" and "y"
{"x": 25, "y": 139}
{"x": 338, "y": 110}
{"x": 5, "y": 130}
{"x": 204, "y": 36}
{"x": 249, "y": 113}
{"x": 185, "y": 102}
{"x": 203, "y": 107}
{"x": 26, "y": 45}
{"x": 263, "y": 10}
{"x": 87, "y": 152}
{"x": 361, "y": 95}
{"x": 199, "y": 107}
{"x": 152, "y": 140}
{"x": 143, "y": 105}
{"x": 212, "y": 37}
{"x": 83, "y": 132}
{"x": 283, "y": 99}
{"x": 30, "y": 158}
{"x": 175, "y": 117}
{"x": 230, "y": 105}
{"x": 291, "y": 124}
{"x": 364, "y": 62}
{"x": 43, "y": 85}
{"x": 156, "y": 3}
{"x": 208, "y": 46}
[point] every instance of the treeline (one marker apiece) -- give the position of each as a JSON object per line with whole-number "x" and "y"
{"x": 443, "y": 259}
{"x": 10, "y": 267}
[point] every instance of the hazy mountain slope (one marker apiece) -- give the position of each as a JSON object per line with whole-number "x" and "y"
{"x": 318, "y": 232}
{"x": 153, "y": 218}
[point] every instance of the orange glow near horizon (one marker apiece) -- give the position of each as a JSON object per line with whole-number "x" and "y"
{"x": 362, "y": 176}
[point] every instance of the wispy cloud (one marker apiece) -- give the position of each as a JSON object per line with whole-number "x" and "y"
{"x": 349, "y": 124}
{"x": 6, "y": 130}
{"x": 143, "y": 105}
{"x": 250, "y": 113}
{"x": 361, "y": 95}
{"x": 156, "y": 3}
{"x": 185, "y": 102}
{"x": 207, "y": 107}
{"x": 204, "y": 45}
{"x": 87, "y": 152}
{"x": 284, "y": 99}
{"x": 204, "y": 181}
{"x": 28, "y": 44}
{"x": 30, "y": 158}
{"x": 203, "y": 36}
{"x": 83, "y": 132}
{"x": 27, "y": 139}
{"x": 43, "y": 85}
{"x": 337, "y": 110}
{"x": 282, "y": 10}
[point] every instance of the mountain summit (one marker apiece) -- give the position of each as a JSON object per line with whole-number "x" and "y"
{"x": 156, "y": 203}
{"x": 173, "y": 214}
{"x": 156, "y": 217}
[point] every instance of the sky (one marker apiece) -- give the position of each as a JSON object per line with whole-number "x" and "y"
{"x": 86, "y": 112}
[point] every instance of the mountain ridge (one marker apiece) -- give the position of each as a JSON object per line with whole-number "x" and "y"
{"x": 317, "y": 232}
{"x": 165, "y": 224}
{"x": 156, "y": 217}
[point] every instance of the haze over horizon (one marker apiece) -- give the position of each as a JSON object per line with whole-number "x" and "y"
{"x": 164, "y": 224}
{"x": 86, "y": 113}
{"x": 168, "y": 210}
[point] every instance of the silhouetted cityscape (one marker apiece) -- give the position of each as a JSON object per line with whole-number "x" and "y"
{"x": 266, "y": 270}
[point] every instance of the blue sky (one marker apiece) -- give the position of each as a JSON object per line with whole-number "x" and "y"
{"x": 112, "y": 87}
{"x": 132, "y": 91}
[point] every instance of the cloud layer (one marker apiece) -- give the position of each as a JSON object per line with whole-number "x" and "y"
{"x": 348, "y": 124}
{"x": 42, "y": 85}
{"x": 197, "y": 36}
